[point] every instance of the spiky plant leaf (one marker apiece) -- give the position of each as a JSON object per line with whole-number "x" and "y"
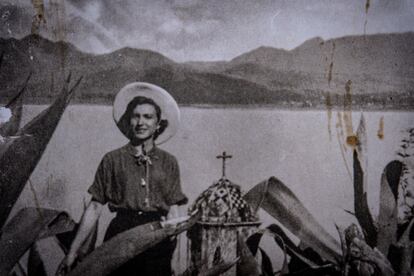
{"x": 248, "y": 265}
{"x": 125, "y": 246}
{"x": 20, "y": 158}
{"x": 362, "y": 211}
{"x": 27, "y": 226}
{"x": 401, "y": 253}
{"x": 267, "y": 267}
{"x": 280, "y": 202}
{"x": 388, "y": 211}
{"x": 35, "y": 265}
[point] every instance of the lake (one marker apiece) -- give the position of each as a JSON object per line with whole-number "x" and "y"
{"x": 301, "y": 148}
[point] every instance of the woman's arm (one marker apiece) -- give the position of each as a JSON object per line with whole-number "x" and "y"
{"x": 88, "y": 220}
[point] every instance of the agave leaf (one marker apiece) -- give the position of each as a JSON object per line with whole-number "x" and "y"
{"x": 285, "y": 265}
{"x": 51, "y": 114}
{"x": 18, "y": 97}
{"x": 405, "y": 237}
{"x": 27, "y": 226}
{"x": 18, "y": 270}
{"x": 20, "y": 158}
{"x": 280, "y": 202}
{"x": 254, "y": 240}
{"x": 284, "y": 242}
{"x": 125, "y": 246}
{"x": 219, "y": 268}
{"x": 65, "y": 239}
{"x": 248, "y": 265}
{"x": 302, "y": 262}
{"x": 401, "y": 253}
{"x": 280, "y": 236}
{"x": 361, "y": 179}
{"x": 361, "y": 207}
{"x": 362, "y": 148}
{"x": 35, "y": 266}
{"x": 253, "y": 245}
{"x": 267, "y": 267}
{"x": 388, "y": 212}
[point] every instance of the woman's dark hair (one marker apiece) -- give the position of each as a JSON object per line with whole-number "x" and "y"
{"x": 124, "y": 123}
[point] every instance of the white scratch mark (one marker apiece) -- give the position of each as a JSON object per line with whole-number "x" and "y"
{"x": 272, "y": 21}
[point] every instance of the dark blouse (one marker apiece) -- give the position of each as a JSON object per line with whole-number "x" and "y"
{"x": 119, "y": 181}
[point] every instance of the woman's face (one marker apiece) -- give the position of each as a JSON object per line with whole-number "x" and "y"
{"x": 144, "y": 121}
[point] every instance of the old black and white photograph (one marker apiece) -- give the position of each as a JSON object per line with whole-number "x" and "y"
{"x": 190, "y": 137}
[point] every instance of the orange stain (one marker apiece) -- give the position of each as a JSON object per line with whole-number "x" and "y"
{"x": 347, "y": 116}
{"x": 380, "y": 132}
{"x": 352, "y": 140}
{"x": 329, "y": 108}
{"x": 39, "y": 18}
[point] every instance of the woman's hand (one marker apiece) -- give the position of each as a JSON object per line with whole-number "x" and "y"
{"x": 173, "y": 217}
{"x": 173, "y": 213}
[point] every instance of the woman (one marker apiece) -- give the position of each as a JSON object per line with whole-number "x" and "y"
{"x": 139, "y": 181}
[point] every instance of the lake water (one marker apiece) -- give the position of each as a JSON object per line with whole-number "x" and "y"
{"x": 301, "y": 148}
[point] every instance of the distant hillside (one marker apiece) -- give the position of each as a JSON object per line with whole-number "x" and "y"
{"x": 104, "y": 75}
{"x": 380, "y": 68}
{"x": 381, "y": 54}
{"x": 382, "y": 63}
{"x": 48, "y": 60}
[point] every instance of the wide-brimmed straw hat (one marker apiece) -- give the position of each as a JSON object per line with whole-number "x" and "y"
{"x": 169, "y": 107}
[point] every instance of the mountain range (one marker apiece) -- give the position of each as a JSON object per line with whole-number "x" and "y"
{"x": 375, "y": 70}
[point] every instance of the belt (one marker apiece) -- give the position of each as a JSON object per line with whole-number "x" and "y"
{"x": 138, "y": 214}
{"x": 126, "y": 219}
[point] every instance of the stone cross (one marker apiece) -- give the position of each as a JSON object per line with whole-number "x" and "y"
{"x": 224, "y": 156}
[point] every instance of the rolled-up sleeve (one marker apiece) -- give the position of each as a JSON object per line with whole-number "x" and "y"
{"x": 100, "y": 185}
{"x": 175, "y": 194}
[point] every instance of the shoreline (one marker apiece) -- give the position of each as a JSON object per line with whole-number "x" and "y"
{"x": 258, "y": 106}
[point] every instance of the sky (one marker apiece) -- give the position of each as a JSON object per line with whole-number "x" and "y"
{"x": 201, "y": 30}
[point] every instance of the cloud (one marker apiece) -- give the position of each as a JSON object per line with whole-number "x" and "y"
{"x": 210, "y": 30}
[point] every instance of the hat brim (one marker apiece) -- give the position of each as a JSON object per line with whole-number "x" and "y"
{"x": 169, "y": 107}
